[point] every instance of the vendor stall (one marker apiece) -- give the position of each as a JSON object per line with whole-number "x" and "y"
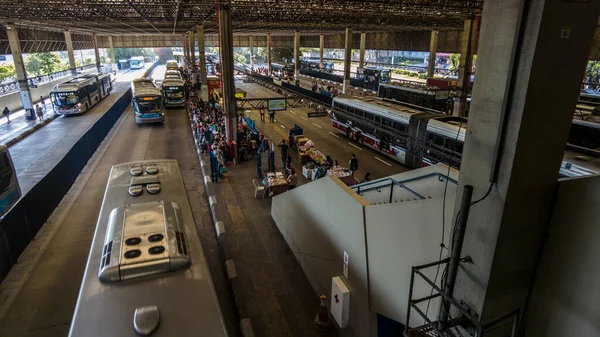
{"x": 276, "y": 183}
{"x": 344, "y": 174}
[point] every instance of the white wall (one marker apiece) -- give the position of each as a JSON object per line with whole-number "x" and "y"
{"x": 566, "y": 295}
{"x": 320, "y": 221}
{"x": 429, "y": 187}
{"x": 399, "y": 237}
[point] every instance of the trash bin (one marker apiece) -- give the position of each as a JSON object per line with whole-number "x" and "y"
{"x": 30, "y": 115}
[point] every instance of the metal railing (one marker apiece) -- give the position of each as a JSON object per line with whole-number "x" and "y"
{"x": 431, "y": 328}
{"x": 13, "y": 86}
{"x": 390, "y": 182}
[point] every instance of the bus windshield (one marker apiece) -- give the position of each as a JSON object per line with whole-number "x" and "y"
{"x": 134, "y": 63}
{"x": 69, "y": 98}
{"x": 173, "y": 92}
{"x": 149, "y": 104}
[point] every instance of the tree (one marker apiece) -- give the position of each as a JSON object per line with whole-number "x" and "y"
{"x": 164, "y": 54}
{"x": 592, "y": 74}
{"x": 454, "y": 62}
{"x": 49, "y": 63}
{"x": 282, "y": 54}
{"x": 32, "y": 65}
{"x": 7, "y": 71}
{"x": 88, "y": 61}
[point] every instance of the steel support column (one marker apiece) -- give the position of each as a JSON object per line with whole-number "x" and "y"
{"x": 229, "y": 102}
{"x": 347, "y": 60}
{"x": 202, "y": 59}
{"x": 361, "y": 60}
{"x": 251, "y": 42}
{"x": 96, "y": 52}
{"x": 69, "y": 44}
{"x": 111, "y": 45}
{"x": 185, "y": 49}
{"x": 297, "y": 55}
{"x": 321, "y": 51}
{"x": 15, "y": 48}
{"x": 464, "y": 68}
{"x": 433, "y": 43}
{"x": 193, "y": 50}
{"x": 269, "y": 54}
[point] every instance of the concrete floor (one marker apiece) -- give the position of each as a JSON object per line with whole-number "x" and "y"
{"x": 39, "y": 295}
{"x": 320, "y": 131}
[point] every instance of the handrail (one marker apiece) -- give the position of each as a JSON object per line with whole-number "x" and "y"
{"x": 13, "y": 86}
{"x": 400, "y": 183}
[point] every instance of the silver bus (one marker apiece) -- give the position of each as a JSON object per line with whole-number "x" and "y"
{"x": 10, "y": 191}
{"x": 173, "y": 92}
{"x": 146, "y": 272}
{"x": 147, "y": 101}
{"x": 80, "y": 94}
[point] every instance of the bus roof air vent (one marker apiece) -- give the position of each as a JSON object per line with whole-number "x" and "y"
{"x": 136, "y": 171}
{"x": 152, "y": 169}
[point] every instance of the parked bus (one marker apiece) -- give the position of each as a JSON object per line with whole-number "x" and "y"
{"x": 136, "y": 62}
{"x": 146, "y": 272}
{"x": 10, "y": 191}
{"x": 80, "y": 94}
{"x": 172, "y": 65}
{"x": 283, "y": 70}
{"x": 173, "y": 91}
{"x": 147, "y": 102}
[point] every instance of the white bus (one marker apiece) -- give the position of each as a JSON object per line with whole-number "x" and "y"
{"x": 10, "y": 191}
{"x": 147, "y": 102}
{"x": 173, "y": 91}
{"x": 172, "y": 65}
{"x": 136, "y": 62}
{"x": 80, "y": 94}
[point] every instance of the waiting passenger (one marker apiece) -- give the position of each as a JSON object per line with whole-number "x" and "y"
{"x": 366, "y": 178}
{"x": 6, "y": 114}
{"x": 39, "y": 112}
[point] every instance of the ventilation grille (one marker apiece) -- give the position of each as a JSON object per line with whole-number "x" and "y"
{"x": 181, "y": 243}
{"x": 106, "y": 251}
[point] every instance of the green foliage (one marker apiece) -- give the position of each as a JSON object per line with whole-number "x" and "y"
{"x": 127, "y": 53}
{"x": 7, "y": 71}
{"x": 592, "y": 72}
{"x": 409, "y": 73}
{"x": 261, "y": 52}
{"x": 103, "y": 59}
{"x": 88, "y": 61}
{"x": 164, "y": 54}
{"x": 454, "y": 62}
{"x": 282, "y": 54}
{"x": 49, "y": 63}
{"x": 32, "y": 65}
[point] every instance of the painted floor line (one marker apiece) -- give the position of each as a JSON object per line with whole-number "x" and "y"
{"x": 358, "y": 147}
{"x": 292, "y": 112}
{"x": 388, "y": 164}
{"x": 283, "y": 126}
{"x": 333, "y": 134}
{"x": 304, "y": 118}
{"x": 317, "y": 125}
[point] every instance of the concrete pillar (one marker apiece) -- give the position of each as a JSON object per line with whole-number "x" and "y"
{"x": 112, "y": 53}
{"x": 464, "y": 68}
{"x": 69, "y": 43}
{"x": 363, "y": 44}
{"x": 347, "y": 61}
{"x": 96, "y": 53}
{"x": 229, "y": 101}
{"x": 321, "y": 52}
{"x": 193, "y": 50}
{"x": 202, "y": 59}
{"x": 15, "y": 49}
{"x": 514, "y": 147}
{"x": 269, "y": 53}
{"x": 297, "y": 55}
{"x": 185, "y": 49}
{"x": 433, "y": 43}
{"x": 251, "y": 42}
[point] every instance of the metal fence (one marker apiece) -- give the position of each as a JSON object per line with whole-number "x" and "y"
{"x": 13, "y": 86}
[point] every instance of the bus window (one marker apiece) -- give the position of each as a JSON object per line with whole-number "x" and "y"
{"x": 400, "y": 126}
{"x": 435, "y": 139}
{"x": 369, "y": 116}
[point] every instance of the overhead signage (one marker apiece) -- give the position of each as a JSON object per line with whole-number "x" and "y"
{"x": 276, "y": 104}
{"x": 2, "y": 57}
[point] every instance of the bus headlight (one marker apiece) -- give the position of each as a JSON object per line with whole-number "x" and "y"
{"x": 78, "y": 105}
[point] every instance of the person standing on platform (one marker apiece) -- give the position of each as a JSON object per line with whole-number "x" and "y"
{"x": 284, "y": 151}
{"x": 353, "y": 164}
{"x": 272, "y": 116}
{"x": 6, "y": 114}
{"x": 43, "y": 103}
{"x": 39, "y": 112}
{"x": 262, "y": 114}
